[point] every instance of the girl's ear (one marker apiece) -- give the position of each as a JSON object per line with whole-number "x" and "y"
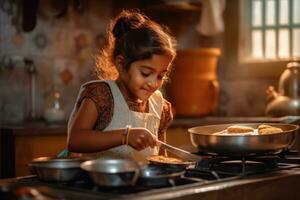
{"x": 120, "y": 63}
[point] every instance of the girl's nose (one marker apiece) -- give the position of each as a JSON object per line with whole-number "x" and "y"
{"x": 153, "y": 83}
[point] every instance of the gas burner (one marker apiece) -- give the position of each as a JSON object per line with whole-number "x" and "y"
{"x": 238, "y": 167}
{"x": 250, "y": 164}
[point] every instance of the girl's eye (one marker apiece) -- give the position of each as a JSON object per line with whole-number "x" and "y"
{"x": 145, "y": 74}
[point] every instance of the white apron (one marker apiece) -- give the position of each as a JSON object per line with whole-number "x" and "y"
{"x": 123, "y": 116}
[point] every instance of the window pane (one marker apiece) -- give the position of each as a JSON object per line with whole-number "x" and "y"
{"x": 284, "y": 43}
{"x": 256, "y": 13}
{"x": 296, "y": 42}
{"x": 270, "y": 44}
{"x": 257, "y": 44}
{"x": 283, "y": 12}
{"x": 270, "y": 16}
{"x": 296, "y": 11}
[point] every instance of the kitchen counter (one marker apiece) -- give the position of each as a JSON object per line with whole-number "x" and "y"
{"x": 35, "y": 128}
{"x": 277, "y": 185}
{"x": 41, "y": 127}
{"x": 23, "y": 142}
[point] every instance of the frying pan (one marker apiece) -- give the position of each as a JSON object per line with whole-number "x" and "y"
{"x": 159, "y": 175}
{"x": 182, "y": 165}
{"x": 56, "y": 169}
{"x": 242, "y": 145}
{"x": 112, "y": 172}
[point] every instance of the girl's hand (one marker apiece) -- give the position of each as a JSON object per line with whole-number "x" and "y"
{"x": 141, "y": 138}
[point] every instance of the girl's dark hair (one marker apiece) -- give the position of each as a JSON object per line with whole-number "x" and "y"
{"x": 135, "y": 37}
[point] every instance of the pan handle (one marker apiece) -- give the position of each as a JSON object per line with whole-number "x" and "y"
{"x": 180, "y": 152}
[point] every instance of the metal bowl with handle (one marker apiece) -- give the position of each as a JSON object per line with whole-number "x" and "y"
{"x": 112, "y": 172}
{"x": 203, "y": 138}
{"x": 56, "y": 169}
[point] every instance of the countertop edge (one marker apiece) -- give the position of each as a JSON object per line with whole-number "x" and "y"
{"x": 42, "y": 128}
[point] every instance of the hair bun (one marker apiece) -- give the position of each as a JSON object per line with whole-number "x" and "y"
{"x": 127, "y": 21}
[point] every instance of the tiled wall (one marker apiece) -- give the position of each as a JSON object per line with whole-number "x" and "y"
{"x": 62, "y": 50}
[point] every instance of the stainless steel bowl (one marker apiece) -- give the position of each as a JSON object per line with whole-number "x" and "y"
{"x": 58, "y": 170}
{"x": 112, "y": 172}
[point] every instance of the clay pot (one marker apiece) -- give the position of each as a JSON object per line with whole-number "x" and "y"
{"x": 194, "y": 86}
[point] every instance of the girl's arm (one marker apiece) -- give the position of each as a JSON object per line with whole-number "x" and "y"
{"x": 81, "y": 136}
{"x": 83, "y": 139}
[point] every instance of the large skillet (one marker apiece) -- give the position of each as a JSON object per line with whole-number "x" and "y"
{"x": 242, "y": 145}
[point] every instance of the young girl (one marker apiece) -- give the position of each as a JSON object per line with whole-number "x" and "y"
{"x": 124, "y": 115}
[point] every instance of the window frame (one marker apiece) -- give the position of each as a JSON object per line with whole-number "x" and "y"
{"x": 246, "y": 28}
{"x": 235, "y": 48}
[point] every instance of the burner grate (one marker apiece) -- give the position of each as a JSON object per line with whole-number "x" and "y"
{"x": 249, "y": 165}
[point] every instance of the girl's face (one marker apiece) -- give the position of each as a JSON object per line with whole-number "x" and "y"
{"x": 146, "y": 76}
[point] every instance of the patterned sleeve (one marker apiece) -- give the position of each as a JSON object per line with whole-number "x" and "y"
{"x": 166, "y": 119}
{"x": 101, "y": 95}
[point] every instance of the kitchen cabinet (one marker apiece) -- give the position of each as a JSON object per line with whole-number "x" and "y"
{"x": 30, "y": 147}
{"x": 20, "y": 144}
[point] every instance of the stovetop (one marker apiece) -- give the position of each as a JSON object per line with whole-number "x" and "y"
{"x": 211, "y": 170}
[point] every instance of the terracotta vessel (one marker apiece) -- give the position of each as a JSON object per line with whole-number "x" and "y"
{"x": 194, "y": 86}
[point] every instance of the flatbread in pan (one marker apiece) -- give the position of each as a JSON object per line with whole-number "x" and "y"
{"x": 159, "y": 159}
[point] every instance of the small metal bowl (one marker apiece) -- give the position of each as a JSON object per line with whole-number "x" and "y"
{"x": 112, "y": 172}
{"x": 57, "y": 169}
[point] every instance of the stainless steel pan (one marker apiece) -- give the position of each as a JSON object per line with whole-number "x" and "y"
{"x": 202, "y": 138}
{"x": 56, "y": 169}
{"x": 112, "y": 172}
{"x": 158, "y": 175}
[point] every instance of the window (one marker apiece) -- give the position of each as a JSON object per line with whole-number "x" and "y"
{"x": 271, "y": 30}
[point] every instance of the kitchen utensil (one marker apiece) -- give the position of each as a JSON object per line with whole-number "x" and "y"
{"x": 158, "y": 175}
{"x": 57, "y": 170}
{"x": 180, "y": 152}
{"x": 112, "y": 172}
{"x": 241, "y": 145}
{"x": 287, "y": 100}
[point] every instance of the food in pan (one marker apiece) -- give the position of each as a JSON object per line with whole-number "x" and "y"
{"x": 267, "y": 129}
{"x": 164, "y": 159}
{"x": 262, "y": 129}
{"x": 239, "y": 129}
